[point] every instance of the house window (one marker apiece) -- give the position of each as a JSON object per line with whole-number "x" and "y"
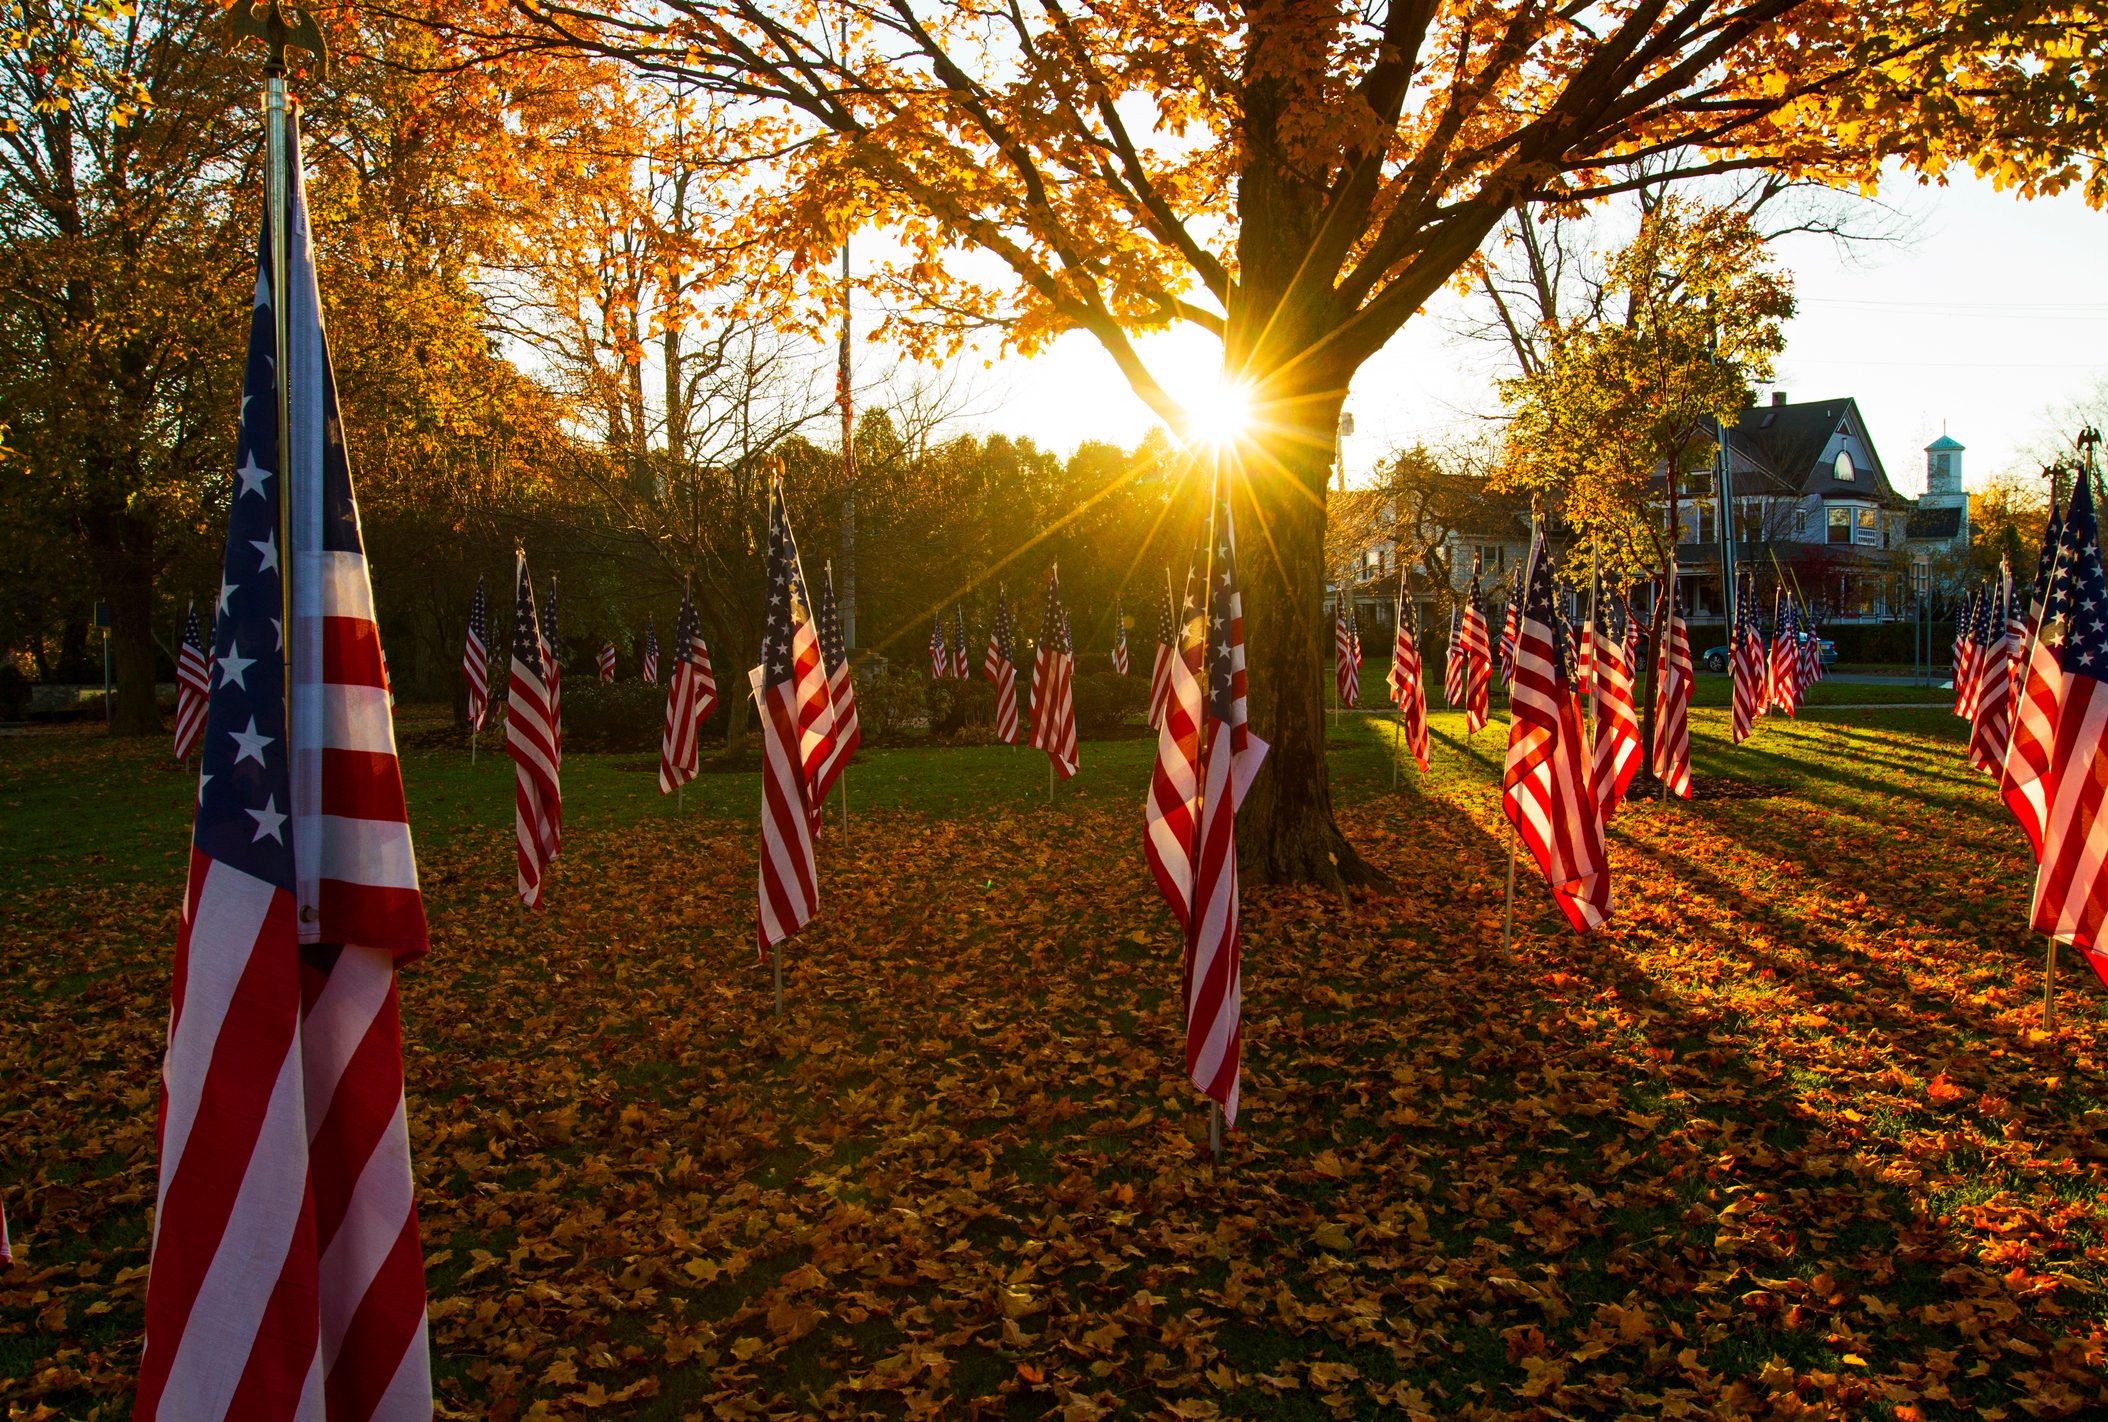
{"x": 1867, "y": 528}
{"x": 1846, "y": 473}
{"x": 1708, "y": 524}
{"x": 1800, "y": 523}
{"x": 1494, "y": 556}
{"x": 1840, "y": 525}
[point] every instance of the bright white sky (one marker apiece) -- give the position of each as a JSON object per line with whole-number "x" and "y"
{"x": 1994, "y": 314}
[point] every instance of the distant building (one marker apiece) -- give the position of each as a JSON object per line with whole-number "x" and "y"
{"x": 1811, "y": 501}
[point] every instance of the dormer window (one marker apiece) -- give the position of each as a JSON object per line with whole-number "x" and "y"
{"x": 1846, "y": 473}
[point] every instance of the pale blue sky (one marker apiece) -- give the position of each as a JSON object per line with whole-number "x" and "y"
{"x": 1994, "y": 314}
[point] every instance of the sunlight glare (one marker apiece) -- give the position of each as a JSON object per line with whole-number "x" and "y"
{"x": 1220, "y": 412}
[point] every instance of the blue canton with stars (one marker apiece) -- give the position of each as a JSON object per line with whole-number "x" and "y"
{"x": 526, "y": 634}
{"x": 834, "y": 648}
{"x": 783, "y": 580}
{"x": 1002, "y": 627}
{"x": 549, "y": 638}
{"x": 2082, "y": 595}
{"x": 245, "y": 783}
{"x": 2046, "y": 565}
{"x": 1054, "y": 623}
{"x": 1226, "y": 596}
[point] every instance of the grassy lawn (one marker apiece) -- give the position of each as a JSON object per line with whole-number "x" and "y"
{"x": 1784, "y": 1140}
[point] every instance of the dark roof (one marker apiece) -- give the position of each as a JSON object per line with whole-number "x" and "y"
{"x": 1777, "y": 451}
{"x": 1934, "y": 523}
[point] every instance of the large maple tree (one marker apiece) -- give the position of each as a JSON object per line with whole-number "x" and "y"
{"x": 1299, "y": 177}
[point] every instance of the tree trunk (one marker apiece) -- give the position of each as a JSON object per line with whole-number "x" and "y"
{"x": 1286, "y": 832}
{"x": 123, "y": 550}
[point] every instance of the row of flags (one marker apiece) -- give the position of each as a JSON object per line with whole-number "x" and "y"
{"x": 1774, "y": 678}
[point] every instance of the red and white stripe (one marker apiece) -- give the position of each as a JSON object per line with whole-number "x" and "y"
{"x": 997, "y": 668}
{"x": 1453, "y": 665}
{"x": 1671, "y": 760}
{"x": 1547, "y": 788}
{"x": 1171, "y": 813}
{"x": 530, "y": 739}
{"x": 1965, "y": 660}
{"x": 1990, "y": 729}
{"x": 2071, "y": 884}
{"x": 1746, "y": 666}
{"x": 1478, "y": 668}
{"x": 1346, "y": 668}
{"x": 1614, "y": 718}
{"x": 797, "y": 732}
{"x": 1507, "y": 644}
{"x": 475, "y": 670}
{"x": 1053, "y": 687}
{"x": 1408, "y": 693}
{"x": 193, "y": 688}
{"x": 607, "y": 664}
{"x": 2021, "y": 783}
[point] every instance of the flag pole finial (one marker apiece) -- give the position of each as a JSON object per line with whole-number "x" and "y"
{"x": 280, "y": 28}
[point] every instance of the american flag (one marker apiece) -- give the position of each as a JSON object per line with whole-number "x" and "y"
{"x": 1965, "y": 656}
{"x": 2071, "y": 884}
{"x": 841, "y": 690}
{"x": 1811, "y": 654}
{"x": 1507, "y": 642}
{"x": 1160, "y": 673}
{"x": 1453, "y": 664}
{"x": 1671, "y": 761}
{"x": 1547, "y": 784}
{"x": 2020, "y": 784}
{"x": 1407, "y": 691}
{"x": 940, "y": 656}
{"x": 1785, "y": 656}
{"x": 1053, "y": 674}
{"x": 1746, "y": 662}
{"x": 530, "y": 739}
{"x": 680, "y": 755}
{"x": 475, "y": 660}
{"x": 286, "y": 1275}
{"x": 607, "y": 663}
{"x": 193, "y": 687}
{"x": 705, "y": 674}
{"x": 1173, "y": 808}
{"x": 651, "y": 655}
{"x": 1990, "y": 729}
{"x": 1478, "y": 658}
{"x": 1585, "y": 648}
{"x": 1120, "y": 638}
{"x": 1346, "y": 668}
{"x": 960, "y": 668}
{"x": 1230, "y": 757}
{"x": 797, "y": 723}
{"x": 1615, "y": 711}
{"x": 1000, "y": 667}
{"x": 555, "y": 820}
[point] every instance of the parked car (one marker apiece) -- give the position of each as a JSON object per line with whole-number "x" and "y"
{"x": 1716, "y": 657}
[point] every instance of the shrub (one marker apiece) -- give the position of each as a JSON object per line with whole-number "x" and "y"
{"x": 628, "y": 716}
{"x": 890, "y": 704}
{"x": 1110, "y": 706}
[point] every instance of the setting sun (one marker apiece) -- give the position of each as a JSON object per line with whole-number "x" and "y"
{"x": 1219, "y": 412}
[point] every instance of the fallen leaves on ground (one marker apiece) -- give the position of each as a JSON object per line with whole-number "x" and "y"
{"x": 1787, "y": 1141}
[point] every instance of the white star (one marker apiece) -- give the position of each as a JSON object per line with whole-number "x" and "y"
{"x": 202, "y": 778}
{"x": 232, "y": 667}
{"x": 252, "y": 476}
{"x": 226, "y": 591}
{"x": 252, "y": 745}
{"x": 268, "y": 547}
{"x": 278, "y": 635}
{"x": 268, "y": 820}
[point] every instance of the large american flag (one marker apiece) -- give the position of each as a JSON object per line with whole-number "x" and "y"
{"x": 1053, "y": 675}
{"x": 607, "y": 663}
{"x": 1407, "y": 691}
{"x": 650, "y": 661}
{"x": 1160, "y": 672}
{"x": 1120, "y": 638}
{"x": 1346, "y": 669}
{"x": 475, "y": 660}
{"x": 1478, "y": 658}
{"x": 1172, "y": 810}
{"x": 960, "y": 668}
{"x": 940, "y": 656}
{"x": 2041, "y": 679}
{"x": 1453, "y": 663}
{"x": 1746, "y": 663}
{"x": 1230, "y": 757}
{"x": 1000, "y": 667}
{"x": 193, "y": 687}
{"x": 286, "y": 1276}
{"x": 2071, "y": 884}
{"x": 1671, "y": 760}
{"x": 680, "y": 755}
{"x": 797, "y": 724}
{"x": 841, "y": 690}
{"x": 1614, "y": 709}
{"x": 1991, "y": 727}
{"x": 530, "y": 739}
{"x": 1547, "y": 784}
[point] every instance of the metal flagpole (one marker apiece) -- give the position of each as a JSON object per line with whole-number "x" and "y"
{"x": 1207, "y": 599}
{"x": 776, "y": 962}
{"x": 1507, "y": 922}
{"x": 2049, "y": 987}
{"x": 845, "y": 807}
{"x": 473, "y": 731}
{"x": 1215, "y": 1129}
